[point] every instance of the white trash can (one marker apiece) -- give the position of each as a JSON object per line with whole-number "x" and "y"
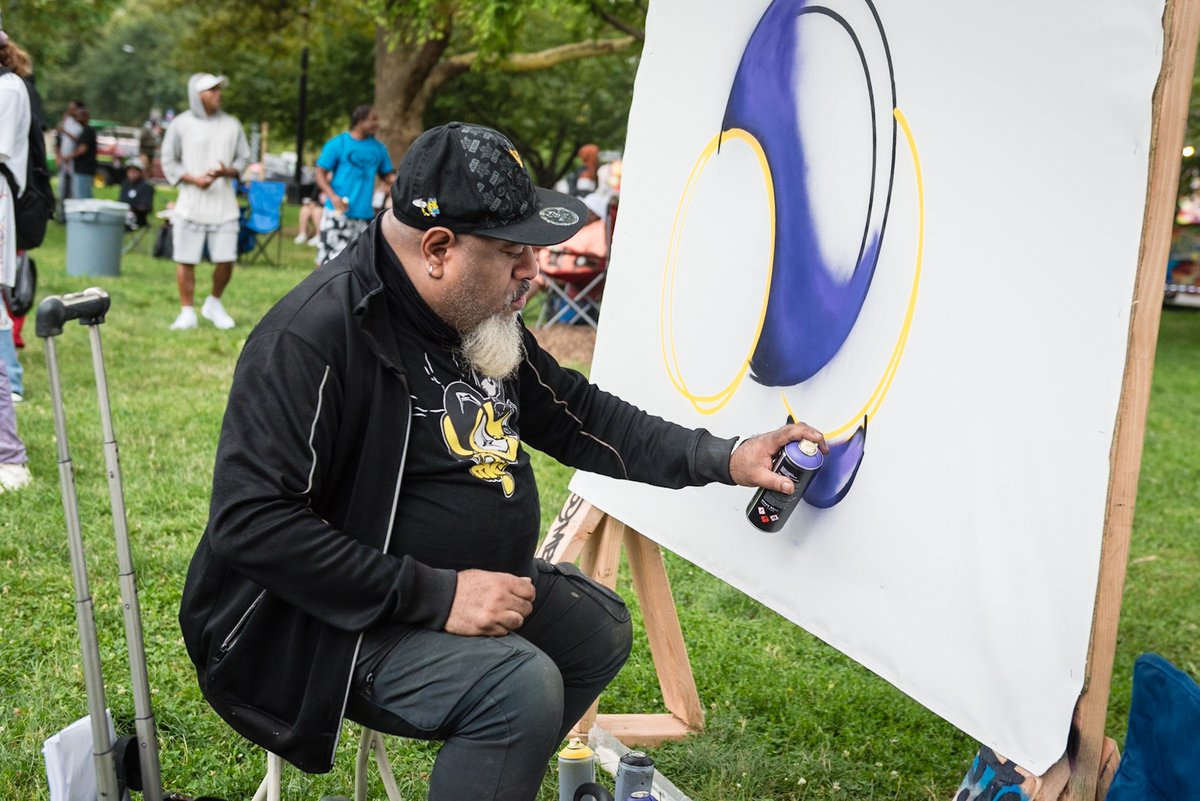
{"x": 95, "y": 229}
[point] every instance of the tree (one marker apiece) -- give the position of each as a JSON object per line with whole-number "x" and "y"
{"x": 420, "y": 45}
{"x": 126, "y": 72}
{"x": 53, "y": 30}
{"x": 417, "y": 46}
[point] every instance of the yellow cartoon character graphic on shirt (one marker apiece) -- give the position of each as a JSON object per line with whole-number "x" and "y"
{"x": 476, "y": 427}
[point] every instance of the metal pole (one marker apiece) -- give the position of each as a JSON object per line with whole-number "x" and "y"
{"x": 134, "y": 640}
{"x": 93, "y": 677}
{"x": 301, "y": 114}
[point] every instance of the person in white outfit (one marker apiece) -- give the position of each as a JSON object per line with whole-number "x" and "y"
{"x": 15, "y": 117}
{"x": 204, "y": 150}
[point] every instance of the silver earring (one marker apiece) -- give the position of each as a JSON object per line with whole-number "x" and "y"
{"x": 430, "y": 266}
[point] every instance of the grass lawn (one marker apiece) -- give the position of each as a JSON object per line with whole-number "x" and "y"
{"x": 787, "y": 716}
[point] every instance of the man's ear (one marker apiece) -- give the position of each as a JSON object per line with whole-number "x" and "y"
{"x": 434, "y": 244}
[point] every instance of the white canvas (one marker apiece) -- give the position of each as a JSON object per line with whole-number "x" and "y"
{"x": 988, "y": 351}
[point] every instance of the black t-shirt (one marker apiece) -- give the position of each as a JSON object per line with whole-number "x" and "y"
{"x": 86, "y": 164}
{"x": 468, "y": 498}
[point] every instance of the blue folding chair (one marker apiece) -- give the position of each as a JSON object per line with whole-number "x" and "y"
{"x": 265, "y": 219}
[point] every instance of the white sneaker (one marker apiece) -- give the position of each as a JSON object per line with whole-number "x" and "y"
{"x": 214, "y": 311}
{"x": 17, "y": 397}
{"x": 185, "y": 320}
{"x": 300, "y": 238}
{"x": 13, "y": 477}
{"x": 315, "y": 242}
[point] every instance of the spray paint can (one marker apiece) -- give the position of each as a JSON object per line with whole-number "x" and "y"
{"x": 590, "y": 791}
{"x": 641, "y": 795}
{"x": 635, "y": 772}
{"x": 798, "y": 461}
{"x": 576, "y": 767}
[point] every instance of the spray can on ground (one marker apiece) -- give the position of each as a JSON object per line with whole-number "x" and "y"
{"x": 641, "y": 795}
{"x": 590, "y": 791}
{"x": 799, "y": 461}
{"x": 635, "y": 772}
{"x": 576, "y": 766}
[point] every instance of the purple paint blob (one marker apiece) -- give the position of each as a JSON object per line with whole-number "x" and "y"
{"x": 810, "y": 310}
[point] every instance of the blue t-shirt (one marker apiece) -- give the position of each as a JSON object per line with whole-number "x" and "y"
{"x": 354, "y": 164}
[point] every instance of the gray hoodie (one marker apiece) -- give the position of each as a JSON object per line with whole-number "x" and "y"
{"x": 196, "y": 142}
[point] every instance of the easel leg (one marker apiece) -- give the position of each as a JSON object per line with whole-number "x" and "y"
{"x": 653, "y": 590}
{"x": 594, "y": 538}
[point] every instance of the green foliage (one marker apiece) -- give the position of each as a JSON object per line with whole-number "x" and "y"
{"x": 53, "y": 30}
{"x": 548, "y": 113}
{"x": 126, "y": 72}
{"x": 259, "y": 47}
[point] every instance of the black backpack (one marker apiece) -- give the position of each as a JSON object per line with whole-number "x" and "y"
{"x": 21, "y": 294}
{"x": 36, "y": 205}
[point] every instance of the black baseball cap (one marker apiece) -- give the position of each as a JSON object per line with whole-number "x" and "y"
{"x": 470, "y": 179}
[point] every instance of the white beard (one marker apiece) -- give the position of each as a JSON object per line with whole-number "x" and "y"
{"x": 494, "y": 348}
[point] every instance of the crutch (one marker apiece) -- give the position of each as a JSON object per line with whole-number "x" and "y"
{"x": 90, "y": 307}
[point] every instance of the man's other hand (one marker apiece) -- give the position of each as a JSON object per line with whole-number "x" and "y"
{"x": 750, "y": 463}
{"x": 489, "y": 604}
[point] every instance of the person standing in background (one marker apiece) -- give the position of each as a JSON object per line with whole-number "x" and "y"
{"x": 203, "y": 151}
{"x": 15, "y": 119}
{"x": 83, "y": 160}
{"x": 346, "y": 171}
{"x": 66, "y": 135}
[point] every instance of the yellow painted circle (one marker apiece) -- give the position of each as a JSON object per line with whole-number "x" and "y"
{"x": 710, "y": 404}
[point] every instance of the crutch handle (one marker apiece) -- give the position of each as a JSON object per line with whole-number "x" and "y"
{"x": 88, "y": 307}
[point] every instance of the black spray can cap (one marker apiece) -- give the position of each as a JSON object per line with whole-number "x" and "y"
{"x": 638, "y": 759}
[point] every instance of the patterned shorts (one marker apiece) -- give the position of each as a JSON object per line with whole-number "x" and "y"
{"x": 337, "y": 231}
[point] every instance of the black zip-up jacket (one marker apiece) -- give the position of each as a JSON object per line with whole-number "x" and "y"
{"x": 293, "y": 565}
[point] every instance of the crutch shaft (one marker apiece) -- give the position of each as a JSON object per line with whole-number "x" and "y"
{"x": 134, "y": 639}
{"x": 102, "y": 746}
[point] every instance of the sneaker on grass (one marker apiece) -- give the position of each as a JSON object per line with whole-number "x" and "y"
{"x": 13, "y": 477}
{"x": 185, "y": 320}
{"x": 214, "y": 312}
{"x": 300, "y": 238}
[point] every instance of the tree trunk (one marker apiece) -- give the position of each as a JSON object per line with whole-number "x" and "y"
{"x": 403, "y": 86}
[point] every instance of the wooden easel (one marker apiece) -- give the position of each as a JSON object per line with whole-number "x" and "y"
{"x": 586, "y": 533}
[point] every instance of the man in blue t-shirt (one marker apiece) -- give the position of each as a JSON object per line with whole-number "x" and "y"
{"x": 346, "y": 172}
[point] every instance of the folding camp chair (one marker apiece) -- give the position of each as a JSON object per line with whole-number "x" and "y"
{"x": 574, "y": 283}
{"x": 134, "y": 239}
{"x": 574, "y": 271}
{"x": 265, "y": 219}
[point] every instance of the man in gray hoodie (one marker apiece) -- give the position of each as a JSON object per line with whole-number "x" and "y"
{"x": 203, "y": 152}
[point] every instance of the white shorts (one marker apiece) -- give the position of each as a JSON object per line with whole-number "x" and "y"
{"x": 189, "y": 239}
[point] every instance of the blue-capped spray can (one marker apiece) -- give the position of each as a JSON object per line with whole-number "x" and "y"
{"x": 798, "y": 461}
{"x": 641, "y": 795}
{"x": 635, "y": 772}
{"x": 576, "y": 767}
